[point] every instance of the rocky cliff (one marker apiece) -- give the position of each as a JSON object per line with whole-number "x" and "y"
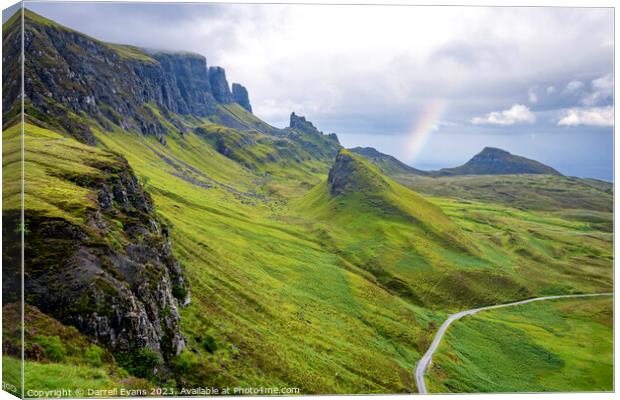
{"x": 311, "y": 139}
{"x": 350, "y": 174}
{"x": 219, "y": 85}
{"x": 69, "y": 75}
{"x": 300, "y": 123}
{"x": 114, "y": 276}
{"x": 240, "y": 96}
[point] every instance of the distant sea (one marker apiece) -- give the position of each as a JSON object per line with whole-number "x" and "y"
{"x": 602, "y": 171}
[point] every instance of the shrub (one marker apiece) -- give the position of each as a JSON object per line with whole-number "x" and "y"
{"x": 94, "y": 355}
{"x": 53, "y": 347}
{"x": 185, "y": 361}
{"x": 209, "y": 344}
{"x": 179, "y": 292}
{"x": 141, "y": 363}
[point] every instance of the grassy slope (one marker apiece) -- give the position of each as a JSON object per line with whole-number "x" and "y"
{"x": 266, "y": 289}
{"x": 575, "y": 255}
{"x": 531, "y": 192}
{"x": 285, "y": 290}
{"x": 557, "y": 345}
{"x": 482, "y": 254}
{"x": 57, "y": 356}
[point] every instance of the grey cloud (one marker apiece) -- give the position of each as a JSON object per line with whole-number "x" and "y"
{"x": 374, "y": 70}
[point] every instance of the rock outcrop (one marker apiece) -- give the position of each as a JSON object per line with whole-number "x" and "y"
{"x": 219, "y": 85}
{"x": 240, "y": 96}
{"x": 351, "y": 174}
{"x": 300, "y": 123}
{"x": 114, "y": 277}
{"x": 69, "y": 74}
{"x": 311, "y": 139}
{"x": 187, "y": 89}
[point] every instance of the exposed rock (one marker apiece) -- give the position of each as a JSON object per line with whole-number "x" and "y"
{"x": 240, "y": 95}
{"x": 114, "y": 277}
{"x": 69, "y": 75}
{"x": 219, "y": 85}
{"x": 303, "y": 125}
{"x": 189, "y": 89}
{"x": 351, "y": 174}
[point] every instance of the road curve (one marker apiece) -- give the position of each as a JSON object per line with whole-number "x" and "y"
{"x": 425, "y": 361}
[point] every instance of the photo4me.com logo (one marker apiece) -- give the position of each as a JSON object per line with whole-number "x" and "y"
{"x": 157, "y": 392}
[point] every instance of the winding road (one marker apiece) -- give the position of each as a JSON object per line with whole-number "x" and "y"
{"x": 425, "y": 361}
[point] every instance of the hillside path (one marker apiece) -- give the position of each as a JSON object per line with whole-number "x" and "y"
{"x": 425, "y": 361}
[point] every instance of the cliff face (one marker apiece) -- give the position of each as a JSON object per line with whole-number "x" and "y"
{"x": 311, "y": 139}
{"x": 11, "y": 71}
{"x": 68, "y": 73}
{"x": 185, "y": 86}
{"x": 350, "y": 175}
{"x": 114, "y": 276}
{"x": 240, "y": 95}
{"x": 300, "y": 123}
{"x": 219, "y": 85}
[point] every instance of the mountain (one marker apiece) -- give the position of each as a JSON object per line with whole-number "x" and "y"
{"x": 353, "y": 179}
{"x": 60, "y": 82}
{"x": 490, "y": 161}
{"x": 497, "y": 176}
{"x": 162, "y": 216}
{"x": 493, "y": 161}
{"x": 388, "y": 164}
{"x": 404, "y": 242}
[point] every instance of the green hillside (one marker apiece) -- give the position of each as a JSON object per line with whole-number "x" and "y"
{"x": 547, "y": 193}
{"x": 529, "y": 348}
{"x": 388, "y": 164}
{"x": 494, "y": 161}
{"x": 280, "y": 259}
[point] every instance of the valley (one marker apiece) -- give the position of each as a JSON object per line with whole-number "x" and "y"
{"x": 263, "y": 256}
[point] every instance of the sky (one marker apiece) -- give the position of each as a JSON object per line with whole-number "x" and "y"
{"x": 430, "y": 85}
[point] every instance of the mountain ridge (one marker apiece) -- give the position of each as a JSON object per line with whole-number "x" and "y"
{"x": 489, "y": 161}
{"x": 495, "y": 161}
{"x": 388, "y": 164}
{"x": 59, "y": 82}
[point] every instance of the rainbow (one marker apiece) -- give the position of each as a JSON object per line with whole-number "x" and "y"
{"x": 423, "y": 128}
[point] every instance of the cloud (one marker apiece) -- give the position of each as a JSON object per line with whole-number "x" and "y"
{"x": 516, "y": 114}
{"x": 595, "y": 116}
{"x": 602, "y": 90}
{"x": 367, "y": 64}
{"x": 531, "y": 96}
{"x": 573, "y": 86}
{"x": 550, "y": 90}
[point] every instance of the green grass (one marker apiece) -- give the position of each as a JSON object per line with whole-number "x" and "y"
{"x": 48, "y": 159}
{"x": 528, "y": 192}
{"x": 292, "y": 286}
{"x": 44, "y": 377}
{"x": 266, "y": 290}
{"x": 57, "y": 356}
{"x": 296, "y": 281}
{"x": 551, "y": 346}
